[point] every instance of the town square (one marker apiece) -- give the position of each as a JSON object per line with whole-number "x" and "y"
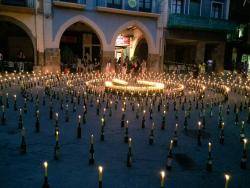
{"x": 124, "y": 94}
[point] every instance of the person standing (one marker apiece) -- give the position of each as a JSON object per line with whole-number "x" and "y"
{"x": 1, "y": 62}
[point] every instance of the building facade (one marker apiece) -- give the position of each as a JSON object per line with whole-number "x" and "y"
{"x": 51, "y": 31}
{"x": 196, "y": 31}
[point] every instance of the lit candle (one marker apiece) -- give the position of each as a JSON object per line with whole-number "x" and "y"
{"x": 129, "y": 142}
{"x": 45, "y": 164}
{"x": 162, "y": 178}
{"x": 92, "y": 139}
{"x": 56, "y": 116}
{"x": 79, "y": 119}
{"x": 171, "y": 145}
{"x": 245, "y": 143}
{"x": 100, "y": 169}
{"x": 227, "y": 177}
{"x": 57, "y": 135}
{"x": 199, "y": 125}
{"x": 209, "y": 147}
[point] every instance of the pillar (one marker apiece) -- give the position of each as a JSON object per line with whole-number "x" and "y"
{"x": 200, "y": 52}
{"x": 218, "y": 56}
{"x": 52, "y": 59}
{"x": 153, "y": 63}
{"x": 107, "y": 56}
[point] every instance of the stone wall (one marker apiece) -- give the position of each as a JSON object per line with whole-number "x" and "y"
{"x": 200, "y": 52}
{"x": 153, "y": 62}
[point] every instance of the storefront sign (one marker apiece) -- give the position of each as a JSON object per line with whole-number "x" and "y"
{"x": 122, "y": 41}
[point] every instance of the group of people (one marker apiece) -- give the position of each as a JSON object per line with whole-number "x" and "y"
{"x": 17, "y": 64}
{"x": 127, "y": 66}
{"x": 86, "y": 64}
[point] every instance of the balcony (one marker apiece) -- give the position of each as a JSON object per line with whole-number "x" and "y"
{"x": 23, "y": 6}
{"x": 144, "y": 8}
{"x": 181, "y": 21}
{"x": 70, "y": 4}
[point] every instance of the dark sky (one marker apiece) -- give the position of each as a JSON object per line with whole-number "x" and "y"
{"x": 238, "y": 12}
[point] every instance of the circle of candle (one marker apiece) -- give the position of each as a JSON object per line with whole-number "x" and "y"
{"x": 45, "y": 164}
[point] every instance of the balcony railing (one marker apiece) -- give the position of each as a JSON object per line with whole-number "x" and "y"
{"x": 19, "y": 3}
{"x": 73, "y": 1}
{"x": 150, "y": 6}
{"x": 199, "y": 23}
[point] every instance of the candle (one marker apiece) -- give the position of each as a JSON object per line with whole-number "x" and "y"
{"x": 162, "y": 178}
{"x": 56, "y": 116}
{"x": 79, "y": 119}
{"x": 57, "y": 135}
{"x": 102, "y": 120}
{"x": 92, "y": 139}
{"x": 171, "y": 145}
{"x": 129, "y": 142}
{"x": 245, "y": 143}
{"x": 45, "y": 164}
{"x": 227, "y": 177}
{"x": 209, "y": 147}
{"x": 100, "y": 169}
{"x": 199, "y": 125}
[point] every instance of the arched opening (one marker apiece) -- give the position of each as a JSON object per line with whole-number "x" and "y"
{"x": 141, "y": 50}
{"x": 80, "y": 48}
{"x": 131, "y": 49}
{"x": 16, "y": 48}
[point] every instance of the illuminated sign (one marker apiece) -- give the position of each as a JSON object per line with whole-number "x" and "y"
{"x": 132, "y": 3}
{"x": 122, "y": 41}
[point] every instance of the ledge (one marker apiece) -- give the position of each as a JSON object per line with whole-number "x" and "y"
{"x": 17, "y": 9}
{"x": 127, "y": 12}
{"x": 69, "y": 5}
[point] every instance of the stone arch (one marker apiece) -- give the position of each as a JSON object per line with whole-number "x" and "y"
{"x": 80, "y": 19}
{"x": 25, "y": 28}
{"x": 144, "y": 30}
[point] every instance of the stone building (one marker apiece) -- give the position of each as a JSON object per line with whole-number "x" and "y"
{"x": 196, "y": 31}
{"x": 105, "y": 29}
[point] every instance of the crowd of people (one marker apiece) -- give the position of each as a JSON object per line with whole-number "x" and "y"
{"x": 127, "y": 66}
{"x": 18, "y": 63}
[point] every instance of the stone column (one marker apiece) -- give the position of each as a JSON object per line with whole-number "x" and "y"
{"x": 200, "y": 52}
{"x": 52, "y": 60}
{"x": 218, "y": 56}
{"x": 153, "y": 62}
{"x": 107, "y": 56}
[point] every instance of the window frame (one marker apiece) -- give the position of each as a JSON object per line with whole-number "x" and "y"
{"x": 144, "y": 7}
{"x": 222, "y": 10}
{"x": 174, "y": 3}
{"x": 113, "y": 4}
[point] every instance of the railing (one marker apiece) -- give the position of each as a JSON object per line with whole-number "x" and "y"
{"x": 24, "y": 3}
{"x": 152, "y": 6}
{"x": 73, "y": 1}
{"x": 201, "y": 23}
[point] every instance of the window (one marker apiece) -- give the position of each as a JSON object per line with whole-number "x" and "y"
{"x": 114, "y": 3}
{"x": 145, "y": 5}
{"x": 217, "y": 10}
{"x": 177, "y": 6}
{"x": 194, "y": 7}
